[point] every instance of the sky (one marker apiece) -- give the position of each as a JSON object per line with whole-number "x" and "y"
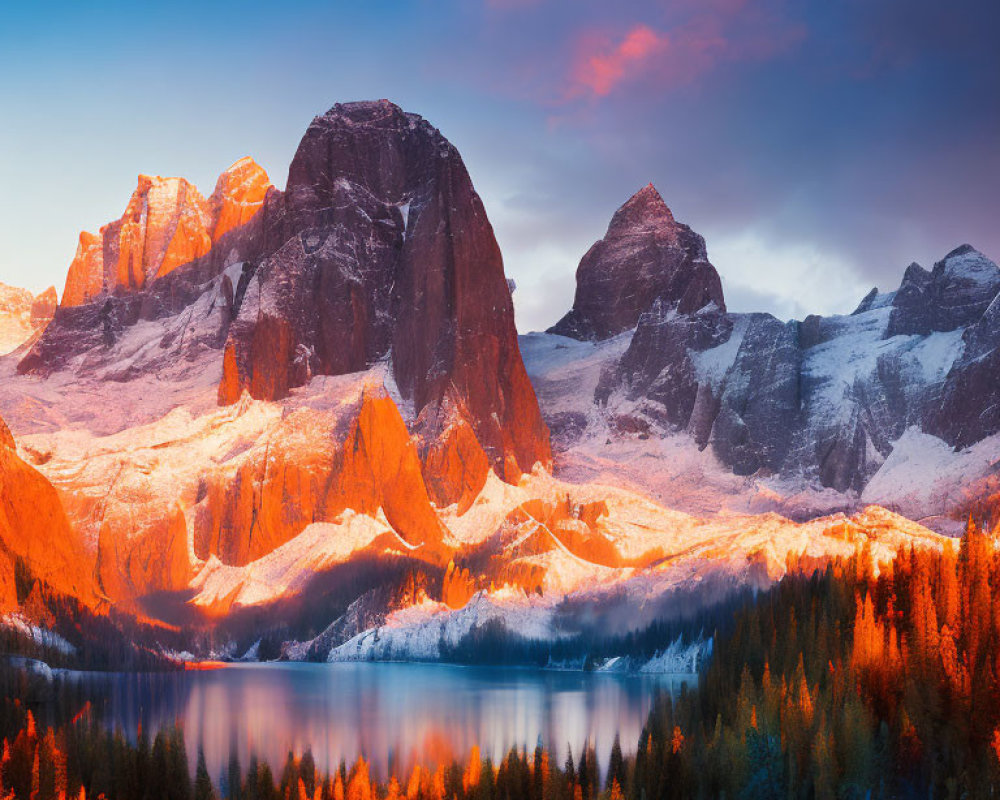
{"x": 819, "y": 147}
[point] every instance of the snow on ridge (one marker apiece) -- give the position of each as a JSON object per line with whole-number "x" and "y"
{"x": 969, "y": 264}
{"x": 415, "y": 633}
{"x": 43, "y": 637}
{"x": 285, "y": 571}
{"x": 711, "y": 365}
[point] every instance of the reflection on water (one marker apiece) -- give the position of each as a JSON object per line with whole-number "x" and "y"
{"x": 393, "y": 714}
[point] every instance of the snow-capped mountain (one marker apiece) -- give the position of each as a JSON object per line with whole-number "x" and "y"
{"x": 820, "y": 411}
{"x": 309, "y": 410}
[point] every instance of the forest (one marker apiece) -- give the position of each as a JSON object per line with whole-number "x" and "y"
{"x": 851, "y": 680}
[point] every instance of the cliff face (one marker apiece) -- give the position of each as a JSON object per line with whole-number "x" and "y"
{"x": 646, "y": 256}
{"x": 239, "y": 194}
{"x": 23, "y": 316}
{"x": 379, "y": 251}
{"x": 386, "y": 251}
{"x": 34, "y": 528}
{"x": 313, "y": 468}
{"x": 167, "y": 224}
{"x": 379, "y": 248}
{"x": 822, "y": 400}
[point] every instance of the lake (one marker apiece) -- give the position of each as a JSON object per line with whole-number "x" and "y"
{"x": 393, "y": 714}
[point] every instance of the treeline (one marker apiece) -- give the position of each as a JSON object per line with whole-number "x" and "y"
{"x": 85, "y": 639}
{"x": 848, "y": 682}
{"x": 494, "y": 644}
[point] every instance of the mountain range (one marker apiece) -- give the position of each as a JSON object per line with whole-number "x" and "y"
{"x": 306, "y": 414}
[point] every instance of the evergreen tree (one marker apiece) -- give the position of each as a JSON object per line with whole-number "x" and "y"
{"x": 203, "y": 789}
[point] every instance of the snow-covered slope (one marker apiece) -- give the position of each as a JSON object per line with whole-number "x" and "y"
{"x": 706, "y": 411}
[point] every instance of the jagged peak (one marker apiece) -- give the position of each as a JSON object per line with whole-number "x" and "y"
{"x": 243, "y": 171}
{"x": 914, "y": 273}
{"x": 176, "y": 185}
{"x": 239, "y": 193}
{"x": 6, "y": 437}
{"x": 247, "y": 162}
{"x": 962, "y": 250}
{"x": 970, "y": 264}
{"x": 368, "y": 113}
{"x": 644, "y": 209}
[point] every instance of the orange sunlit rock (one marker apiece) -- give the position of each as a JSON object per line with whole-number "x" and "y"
{"x": 380, "y": 468}
{"x": 455, "y": 466}
{"x": 33, "y": 527}
{"x": 239, "y": 194}
{"x": 312, "y": 471}
{"x": 85, "y": 279}
{"x": 43, "y": 307}
{"x": 229, "y": 386}
{"x": 167, "y": 224}
{"x": 157, "y": 561}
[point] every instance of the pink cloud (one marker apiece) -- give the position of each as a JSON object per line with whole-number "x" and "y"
{"x": 599, "y": 72}
{"x": 722, "y": 31}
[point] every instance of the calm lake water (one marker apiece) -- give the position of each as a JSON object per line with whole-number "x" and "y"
{"x": 393, "y": 714}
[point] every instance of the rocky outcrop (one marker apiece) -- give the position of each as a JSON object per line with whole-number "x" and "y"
{"x": 969, "y": 409}
{"x": 167, "y": 224}
{"x": 823, "y": 399}
{"x": 312, "y": 469}
{"x": 379, "y": 251}
{"x": 239, "y": 194}
{"x": 23, "y": 316}
{"x": 385, "y": 251}
{"x": 646, "y": 256}
{"x": 34, "y": 528}
{"x": 43, "y": 308}
{"x": 156, "y": 264}
{"x": 952, "y": 295}
{"x": 85, "y": 278}
{"x": 379, "y": 248}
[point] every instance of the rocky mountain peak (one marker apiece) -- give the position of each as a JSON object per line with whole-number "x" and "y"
{"x": 967, "y": 263}
{"x": 23, "y": 316}
{"x": 239, "y": 194}
{"x": 643, "y": 210}
{"x": 954, "y": 294}
{"x": 645, "y": 256}
{"x": 380, "y": 248}
{"x": 167, "y": 224}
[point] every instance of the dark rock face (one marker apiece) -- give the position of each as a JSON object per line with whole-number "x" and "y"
{"x": 968, "y": 410}
{"x": 658, "y": 364}
{"x": 824, "y": 398}
{"x": 953, "y": 295}
{"x": 645, "y": 256}
{"x": 379, "y": 248}
{"x": 760, "y": 403}
{"x": 387, "y": 250}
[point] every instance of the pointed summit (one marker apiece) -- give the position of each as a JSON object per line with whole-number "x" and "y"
{"x": 238, "y": 196}
{"x": 167, "y": 224}
{"x": 645, "y": 256}
{"x": 954, "y": 294}
{"x": 644, "y": 209}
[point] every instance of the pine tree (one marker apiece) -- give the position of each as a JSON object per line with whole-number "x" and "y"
{"x": 203, "y": 789}
{"x": 616, "y": 766}
{"x": 234, "y": 783}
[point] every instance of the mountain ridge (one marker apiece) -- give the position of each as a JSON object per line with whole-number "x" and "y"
{"x": 329, "y": 402}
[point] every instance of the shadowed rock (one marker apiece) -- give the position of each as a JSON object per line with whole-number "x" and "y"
{"x": 645, "y": 256}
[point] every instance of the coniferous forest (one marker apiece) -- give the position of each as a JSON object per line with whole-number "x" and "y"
{"x": 853, "y": 680}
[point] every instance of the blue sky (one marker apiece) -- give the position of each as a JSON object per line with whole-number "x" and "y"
{"x": 819, "y": 147}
